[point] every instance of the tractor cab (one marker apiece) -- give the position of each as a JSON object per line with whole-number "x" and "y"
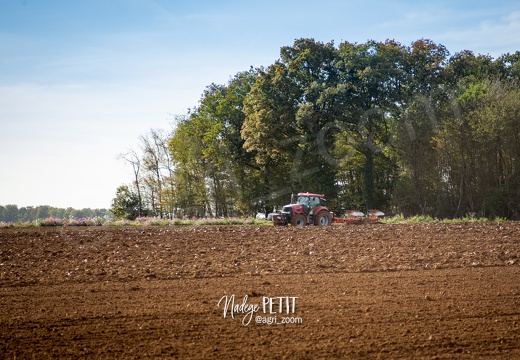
{"x": 310, "y": 201}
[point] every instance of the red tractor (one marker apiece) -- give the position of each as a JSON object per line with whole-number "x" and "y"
{"x": 308, "y": 209}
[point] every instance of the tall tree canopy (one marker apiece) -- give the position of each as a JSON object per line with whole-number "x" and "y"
{"x": 404, "y": 128}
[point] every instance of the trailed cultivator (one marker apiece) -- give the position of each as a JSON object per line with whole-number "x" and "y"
{"x": 357, "y": 217}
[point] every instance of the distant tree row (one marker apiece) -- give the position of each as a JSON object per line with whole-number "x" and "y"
{"x": 13, "y": 213}
{"x": 406, "y": 129}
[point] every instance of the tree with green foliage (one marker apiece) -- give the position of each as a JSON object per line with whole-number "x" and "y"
{"x": 269, "y": 134}
{"x": 373, "y": 74}
{"x": 132, "y": 158}
{"x": 126, "y": 203}
{"x": 479, "y": 146}
{"x": 186, "y": 150}
{"x": 214, "y": 174}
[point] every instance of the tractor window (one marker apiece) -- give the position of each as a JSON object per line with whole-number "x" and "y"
{"x": 315, "y": 201}
{"x": 303, "y": 200}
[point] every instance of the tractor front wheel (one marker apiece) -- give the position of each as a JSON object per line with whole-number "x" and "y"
{"x": 298, "y": 220}
{"x": 323, "y": 218}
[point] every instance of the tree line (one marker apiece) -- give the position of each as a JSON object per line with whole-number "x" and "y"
{"x": 407, "y": 129}
{"x": 12, "y": 213}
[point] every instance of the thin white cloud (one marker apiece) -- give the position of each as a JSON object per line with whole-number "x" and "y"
{"x": 488, "y": 36}
{"x": 482, "y": 29}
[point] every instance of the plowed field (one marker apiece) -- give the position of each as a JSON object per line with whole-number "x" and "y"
{"x": 361, "y": 291}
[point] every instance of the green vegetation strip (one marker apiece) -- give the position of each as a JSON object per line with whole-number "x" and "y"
{"x": 398, "y": 219}
{"x": 137, "y": 222}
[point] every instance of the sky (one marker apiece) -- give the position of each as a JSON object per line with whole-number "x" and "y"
{"x": 80, "y": 81}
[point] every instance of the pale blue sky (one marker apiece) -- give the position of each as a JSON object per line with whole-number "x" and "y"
{"x": 81, "y": 80}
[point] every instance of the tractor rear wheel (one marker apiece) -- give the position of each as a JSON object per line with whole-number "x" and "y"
{"x": 323, "y": 218}
{"x": 299, "y": 220}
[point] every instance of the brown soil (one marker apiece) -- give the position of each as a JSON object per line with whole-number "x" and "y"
{"x": 368, "y": 291}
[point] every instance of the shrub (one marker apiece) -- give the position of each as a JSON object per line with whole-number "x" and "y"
{"x": 50, "y": 221}
{"x": 158, "y": 222}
